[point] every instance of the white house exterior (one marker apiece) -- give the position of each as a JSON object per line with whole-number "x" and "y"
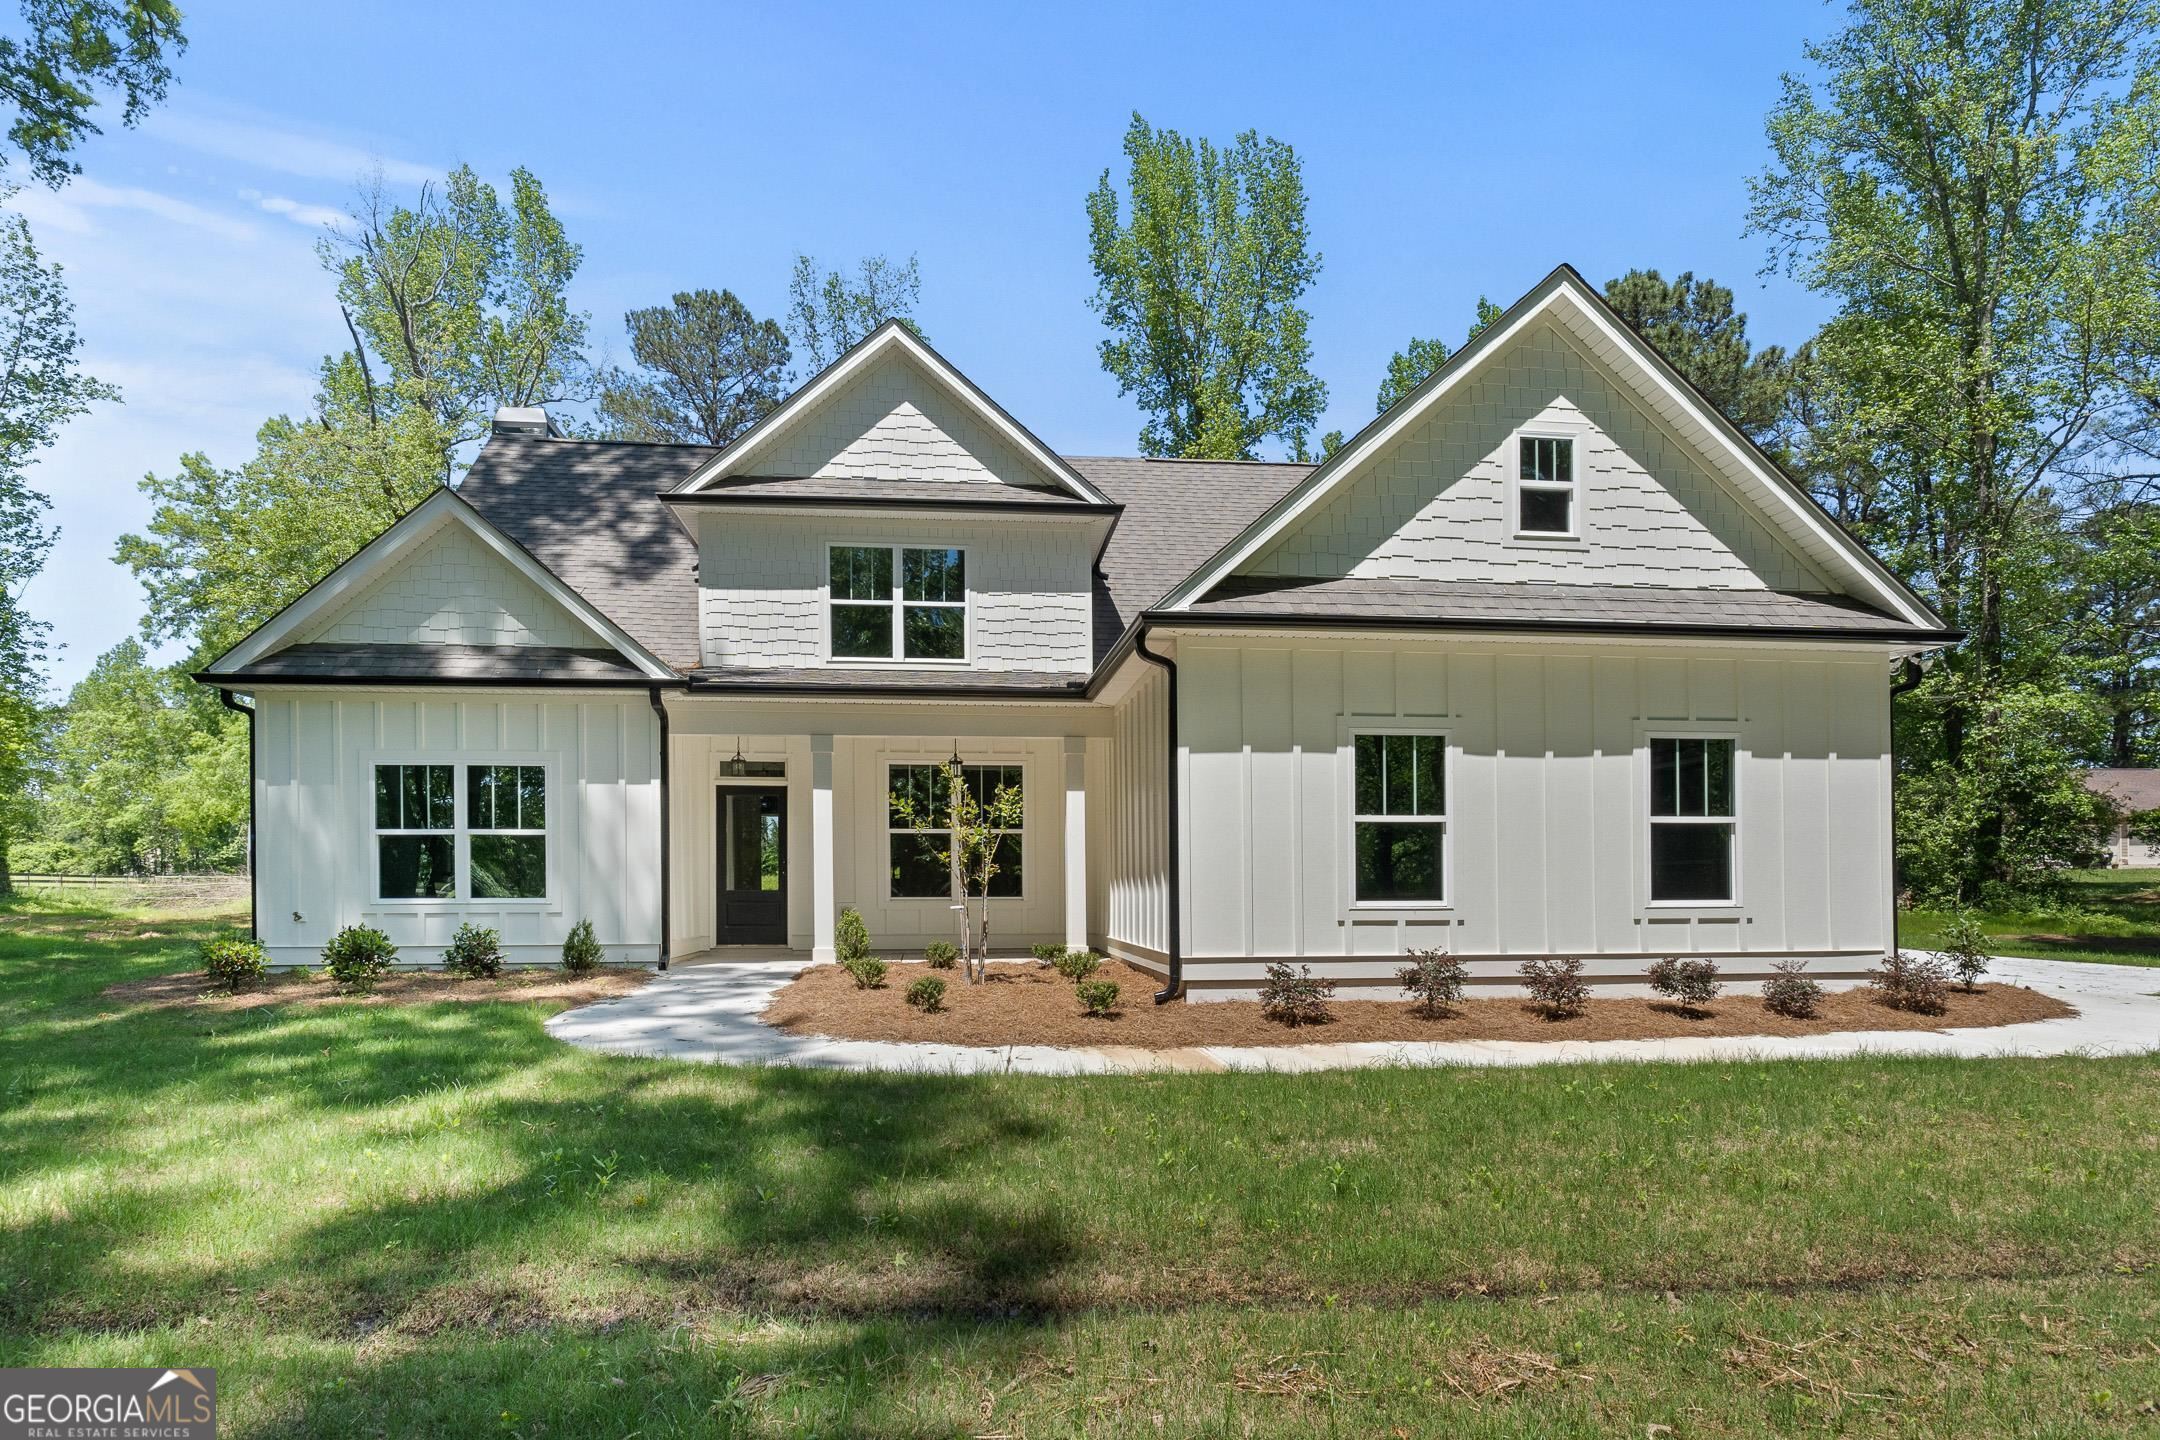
{"x": 1547, "y": 660}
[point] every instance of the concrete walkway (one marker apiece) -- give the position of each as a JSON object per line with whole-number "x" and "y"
{"x": 709, "y": 1012}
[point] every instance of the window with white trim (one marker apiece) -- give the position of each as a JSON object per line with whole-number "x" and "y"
{"x": 1399, "y": 818}
{"x": 424, "y": 837}
{"x": 898, "y": 602}
{"x": 921, "y": 860}
{"x": 506, "y": 814}
{"x": 415, "y": 832}
{"x": 1545, "y": 498}
{"x": 1692, "y": 823}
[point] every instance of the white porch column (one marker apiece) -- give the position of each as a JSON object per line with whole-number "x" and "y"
{"x": 822, "y": 911}
{"x": 1076, "y": 867}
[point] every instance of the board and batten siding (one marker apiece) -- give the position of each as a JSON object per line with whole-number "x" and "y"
{"x": 764, "y": 575}
{"x": 314, "y": 806}
{"x": 1547, "y": 805}
{"x": 1128, "y": 823}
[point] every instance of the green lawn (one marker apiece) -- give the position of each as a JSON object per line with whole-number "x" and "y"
{"x": 381, "y": 1220}
{"x": 2113, "y": 916}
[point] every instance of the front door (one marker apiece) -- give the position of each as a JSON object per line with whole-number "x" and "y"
{"x": 753, "y": 866}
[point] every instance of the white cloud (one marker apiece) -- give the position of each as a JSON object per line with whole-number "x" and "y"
{"x": 68, "y": 209}
{"x": 268, "y": 145}
{"x": 312, "y": 216}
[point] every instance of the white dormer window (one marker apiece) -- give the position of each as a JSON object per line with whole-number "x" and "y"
{"x": 1546, "y": 502}
{"x": 898, "y": 602}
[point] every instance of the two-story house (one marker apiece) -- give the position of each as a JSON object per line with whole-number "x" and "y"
{"x": 1547, "y": 659}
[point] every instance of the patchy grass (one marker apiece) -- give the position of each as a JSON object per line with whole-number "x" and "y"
{"x": 2113, "y": 916}
{"x": 433, "y": 1219}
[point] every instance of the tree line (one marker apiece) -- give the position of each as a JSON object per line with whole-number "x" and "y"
{"x": 1970, "y": 183}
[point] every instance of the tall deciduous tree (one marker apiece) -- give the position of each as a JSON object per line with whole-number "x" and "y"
{"x": 70, "y": 51}
{"x": 456, "y": 305}
{"x": 1199, "y": 269}
{"x": 829, "y": 311}
{"x": 707, "y": 371}
{"x": 1407, "y": 369}
{"x": 1954, "y": 178}
{"x": 42, "y": 387}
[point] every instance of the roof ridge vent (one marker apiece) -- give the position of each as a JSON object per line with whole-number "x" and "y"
{"x": 527, "y": 420}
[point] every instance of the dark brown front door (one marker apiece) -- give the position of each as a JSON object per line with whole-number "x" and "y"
{"x": 753, "y": 865}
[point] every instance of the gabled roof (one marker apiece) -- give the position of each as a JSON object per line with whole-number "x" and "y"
{"x": 375, "y": 558}
{"x": 590, "y": 511}
{"x": 1566, "y": 297}
{"x": 889, "y": 339}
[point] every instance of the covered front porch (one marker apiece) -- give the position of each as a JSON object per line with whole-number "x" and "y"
{"x": 778, "y": 817}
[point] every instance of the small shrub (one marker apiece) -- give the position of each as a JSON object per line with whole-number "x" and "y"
{"x": 1294, "y": 997}
{"x": 927, "y": 995}
{"x": 1790, "y": 992}
{"x": 357, "y": 956}
{"x": 1434, "y": 979}
{"x": 1098, "y": 997}
{"x": 1965, "y": 946}
{"x": 941, "y": 955}
{"x": 851, "y": 938}
{"x": 1048, "y": 953}
{"x": 1077, "y": 965}
{"x": 1918, "y": 983}
{"x": 581, "y": 950}
{"x": 234, "y": 965}
{"x": 474, "y": 952}
{"x": 1694, "y": 983}
{"x": 868, "y": 970}
{"x": 1556, "y": 984}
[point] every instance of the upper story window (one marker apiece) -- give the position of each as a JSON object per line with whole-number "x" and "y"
{"x": 1545, "y": 498}
{"x": 1691, "y": 820}
{"x": 898, "y": 602}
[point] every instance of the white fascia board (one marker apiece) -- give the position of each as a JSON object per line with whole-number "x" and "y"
{"x": 892, "y": 335}
{"x": 374, "y": 558}
{"x": 1562, "y": 286}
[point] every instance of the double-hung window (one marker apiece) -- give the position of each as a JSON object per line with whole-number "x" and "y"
{"x": 898, "y": 602}
{"x": 506, "y": 811}
{"x": 922, "y": 859}
{"x": 492, "y": 847}
{"x": 415, "y": 832}
{"x": 1545, "y": 498}
{"x": 1691, "y": 820}
{"x": 1399, "y": 818}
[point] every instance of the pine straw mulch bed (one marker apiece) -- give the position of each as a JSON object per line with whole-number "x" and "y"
{"x": 1021, "y": 1004}
{"x": 399, "y": 987}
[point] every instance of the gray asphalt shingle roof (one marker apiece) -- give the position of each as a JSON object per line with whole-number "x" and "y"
{"x": 1589, "y": 607}
{"x": 2133, "y": 790}
{"x": 1178, "y": 513}
{"x": 433, "y": 663}
{"x": 590, "y": 511}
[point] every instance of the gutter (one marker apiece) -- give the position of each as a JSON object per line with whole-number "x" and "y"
{"x": 225, "y": 697}
{"x": 1173, "y": 949}
{"x": 660, "y": 712}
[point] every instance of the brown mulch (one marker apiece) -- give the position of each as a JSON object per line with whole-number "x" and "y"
{"x": 400, "y": 987}
{"x": 1021, "y": 1004}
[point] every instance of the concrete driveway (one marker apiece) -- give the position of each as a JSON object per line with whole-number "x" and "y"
{"x": 709, "y": 1013}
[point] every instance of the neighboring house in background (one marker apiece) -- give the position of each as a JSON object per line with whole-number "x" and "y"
{"x": 1547, "y": 659}
{"x": 2131, "y": 792}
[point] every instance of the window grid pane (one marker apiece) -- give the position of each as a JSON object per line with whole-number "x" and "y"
{"x": 861, "y": 572}
{"x": 934, "y": 575}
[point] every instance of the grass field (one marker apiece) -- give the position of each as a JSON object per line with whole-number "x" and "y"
{"x": 2113, "y": 916}
{"x": 435, "y": 1220}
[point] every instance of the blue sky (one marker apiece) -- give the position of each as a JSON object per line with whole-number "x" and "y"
{"x": 1450, "y": 150}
